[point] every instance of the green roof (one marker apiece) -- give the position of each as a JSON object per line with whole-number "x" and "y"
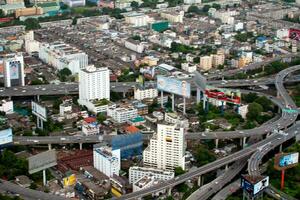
{"x": 47, "y": 4}
{"x": 137, "y": 119}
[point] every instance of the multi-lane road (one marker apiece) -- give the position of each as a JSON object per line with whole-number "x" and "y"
{"x": 275, "y": 139}
{"x": 9, "y": 188}
{"x": 286, "y": 120}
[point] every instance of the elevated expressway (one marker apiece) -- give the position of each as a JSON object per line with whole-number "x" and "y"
{"x": 72, "y": 88}
{"x": 253, "y": 164}
{"x": 286, "y": 120}
{"x": 25, "y": 193}
{"x": 275, "y": 139}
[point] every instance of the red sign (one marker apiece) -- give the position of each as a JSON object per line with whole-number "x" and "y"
{"x": 224, "y": 95}
{"x": 294, "y": 34}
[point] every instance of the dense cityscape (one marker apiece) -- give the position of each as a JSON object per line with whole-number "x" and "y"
{"x": 149, "y": 99}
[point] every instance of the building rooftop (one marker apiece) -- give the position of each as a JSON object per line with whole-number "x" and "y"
{"x": 132, "y": 129}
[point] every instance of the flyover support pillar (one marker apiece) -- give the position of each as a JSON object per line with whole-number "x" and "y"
{"x": 280, "y": 148}
{"x": 200, "y": 181}
{"x": 217, "y": 143}
{"x": 44, "y": 178}
{"x": 80, "y": 146}
{"x": 170, "y": 192}
{"x": 38, "y": 98}
{"x": 226, "y": 167}
{"x": 173, "y": 102}
{"x": 198, "y": 95}
{"x": 161, "y": 99}
{"x": 124, "y": 94}
{"x": 49, "y": 146}
{"x": 243, "y": 142}
{"x": 184, "y": 102}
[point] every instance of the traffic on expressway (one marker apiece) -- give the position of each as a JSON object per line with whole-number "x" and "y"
{"x": 287, "y": 121}
{"x": 275, "y": 139}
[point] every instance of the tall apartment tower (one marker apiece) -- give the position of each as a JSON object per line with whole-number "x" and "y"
{"x": 167, "y": 148}
{"x": 13, "y": 70}
{"x": 94, "y": 84}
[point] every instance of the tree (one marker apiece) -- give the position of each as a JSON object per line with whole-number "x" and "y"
{"x": 64, "y": 74}
{"x": 206, "y": 8}
{"x": 264, "y": 102}
{"x": 36, "y": 82}
{"x": 101, "y": 118}
{"x": 249, "y": 98}
{"x": 136, "y": 37}
{"x": 74, "y": 21}
{"x": 216, "y": 6}
{"x": 2, "y": 13}
{"x": 32, "y": 24}
{"x": 193, "y": 9}
{"x": 203, "y": 156}
{"x": 254, "y": 111}
{"x": 179, "y": 171}
{"x": 64, "y": 6}
{"x": 134, "y": 5}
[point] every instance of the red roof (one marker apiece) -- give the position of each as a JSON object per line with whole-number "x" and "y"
{"x": 131, "y": 129}
{"x": 90, "y": 119}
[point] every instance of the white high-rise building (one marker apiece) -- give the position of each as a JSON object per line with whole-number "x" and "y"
{"x": 167, "y": 148}
{"x": 106, "y": 160}
{"x": 13, "y": 70}
{"x": 93, "y": 84}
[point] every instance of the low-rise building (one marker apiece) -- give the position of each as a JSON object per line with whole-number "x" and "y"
{"x": 6, "y": 106}
{"x": 122, "y": 113}
{"x": 28, "y": 11}
{"x": 145, "y": 182}
{"x": 74, "y": 3}
{"x": 145, "y": 92}
{"x": 137, "y": 19}
{"x": 174, "y": 17}
{"x": 136, "y": 173}
{"x": 134, "y": 45}
{"x": 90, "y": 128}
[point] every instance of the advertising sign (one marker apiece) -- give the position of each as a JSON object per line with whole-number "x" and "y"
{"x": 174, "y": 86}
{"x": 39, "y": 110}
{"x": 294, "y": 34}
{"x": 199, "y": 80}
{"x": 261, "y": 185}
{"x": 70, "y": 180}
{"x": 254, "y": 184}
{"x": 14, "y": 69}
{"x": 6, "y": 136}
{"x": 286, "y": 161}
{"x": 42, "y": 161}
{"x": 228, "y": 95}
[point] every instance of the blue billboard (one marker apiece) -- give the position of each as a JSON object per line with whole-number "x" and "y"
{"x": 254, "y": 185}
{"x": 289, "y": 159}
{"x": 14, "y": 69}
{"x": 6, "y": 136}
{"x": 174, "y": 86}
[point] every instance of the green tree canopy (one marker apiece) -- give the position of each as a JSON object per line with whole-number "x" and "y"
{"x": 193, "y": 9}
{"x": 32, "y": 24}
{"x": 254, "y": 111}
{"x": 134, "y": 5}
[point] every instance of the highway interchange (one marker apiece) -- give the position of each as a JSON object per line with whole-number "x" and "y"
{"x": 274, "y": 139}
